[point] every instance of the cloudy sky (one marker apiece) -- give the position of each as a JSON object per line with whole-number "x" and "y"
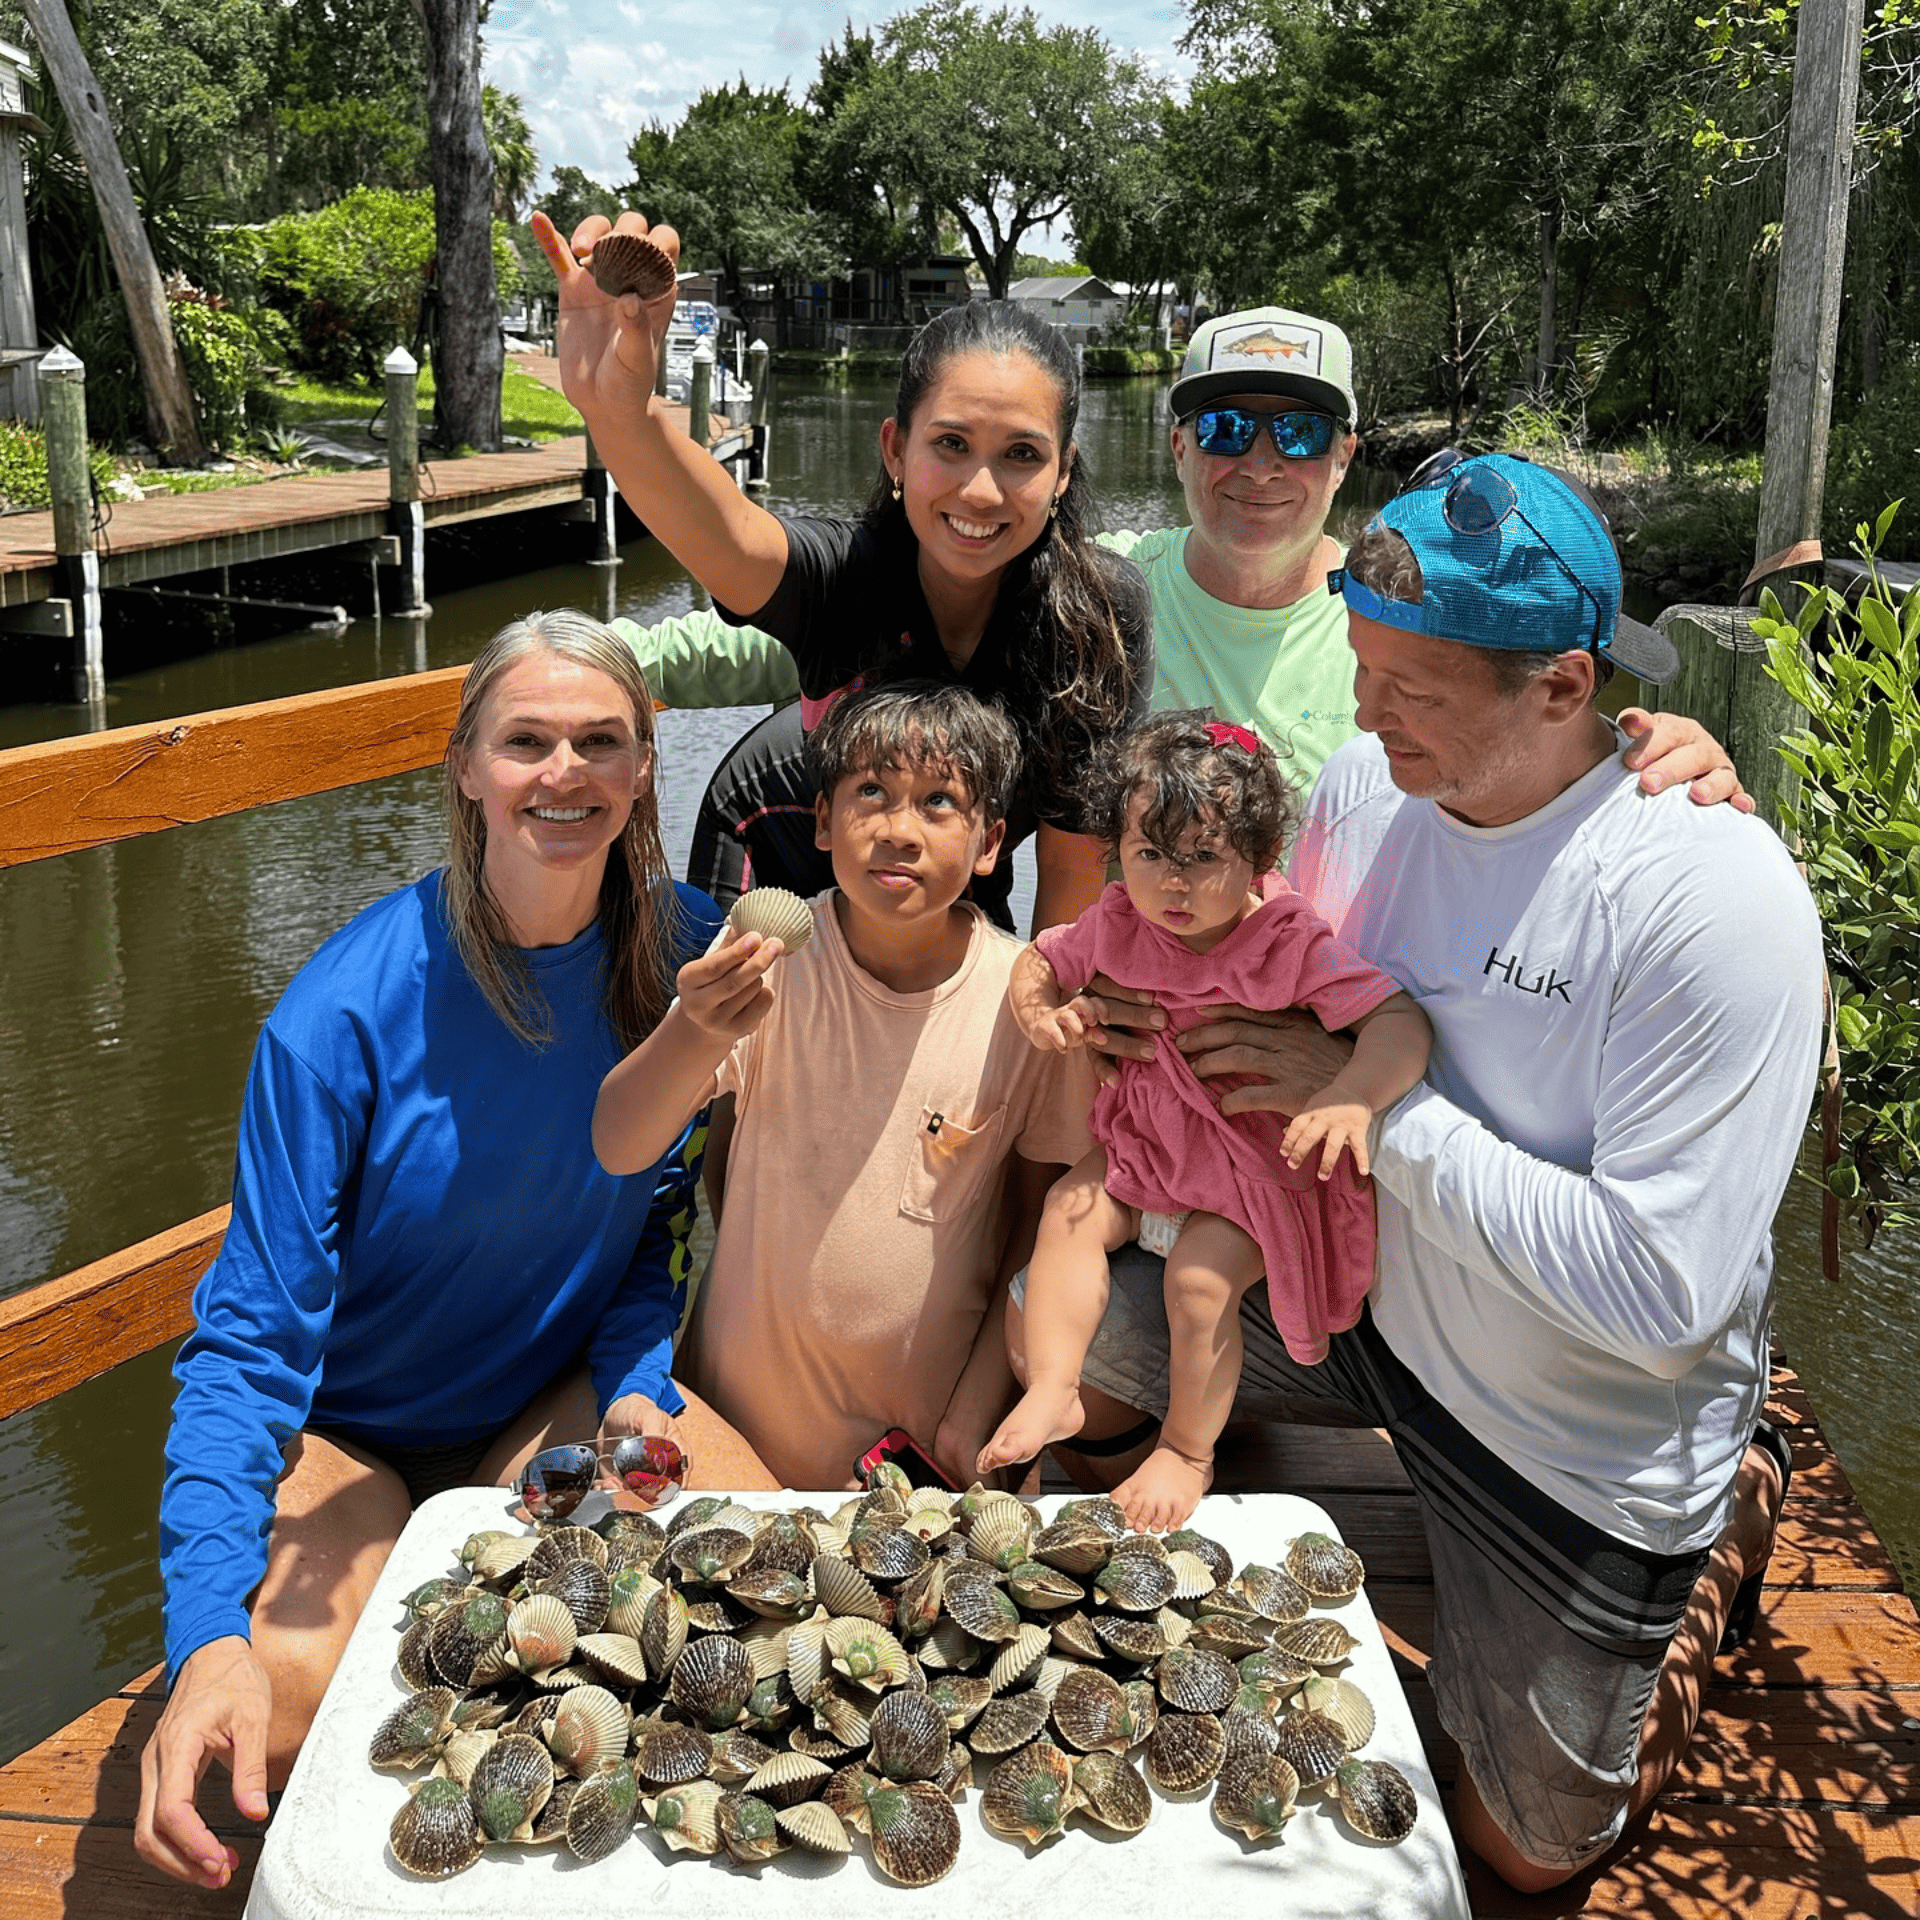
{"x": 591, "y": 73}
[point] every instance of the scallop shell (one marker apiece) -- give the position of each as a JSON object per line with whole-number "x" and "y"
{"x": 711, "y": 1682}
{"x": 1002, "y": 1535}
{"x": 1258, "y": 1798}
{"x": 1042, "y": 1588}
{"x": 628, "y": 1591}
{"x": 1312, "y": 1745}
{"x": 413, "y": 1657}
{"x": 436, "y": 1596}
{"x": 1009, "y": 1722}
{"x": 738, "y": 1756}
{"x": 1376, "y": 1800}
{"x": 981, "y": 1609}
{"x": 1185, "y": 1751}
{"x": 687, "y": 1818}
{"x": 844, "y": 1590}
{"x": 485, "y": 1707}
{"x": 1073, "y": 1635}
{"x": 1327, "y": 1570}
{"x": 1231, "y": 1635}
{"x": 1090, "y": 1712}
{"x": 1218, "y": 1561}
{"x": 623, "y": 263}
{"x": 1193, "y": 1577}
{"x": 1135, "y": 1583}
{"x": 910, "y": 1736}
{"x": 956, "y": 1771}
{"x": 1195, "y": 1681}
{"x": 1144, "y": 1705}
{"x": 1073, "y": 1546}
{"x": 1098, "y": 1511}
{"x": 1276, "y": 1673}
{"x": 615, "y": 1655}
{"x": 1112, "y": 1793}
{"x": 709, "y": 1555}
{"x": 669, "y": 1754}
{"x": 435, "y": 1834}
{"x": 847, "y": 1793}
{"x": 1137, "y": 1640}
{"x": 748, "y": 1829}
{"x": 550, "y": 1823}
{"x": 412, "y": 1730}
{"x": 774, "y": 914}
{"x": 541, "y": 1634}
{"x": 696, "y": 1513}
{"x": 1344, "y": 1704}
{"x": 918, "y": 1600}
{"x": 462, "y": 1636}
{"x": 1175, "y": 1625}
{"x": 807, "y": 1657}
{"x": 845, "y": 1712}
{"x": 774, "y": 1593}
{"x": 1030, "y": 1793}
{"x": 510, "y": 1785}
{"x": 961, "y": 1697}
{"x": 1019, "y": 1656}
{"x": 1251, "y": 1735}
{"x": 786, "y": 1779}
{"x": 582, "y": 1584}
{"x": 499, "y": 1557}
{"x": 914, "y": 1831}
{"x": 1325, "y": 1642}
{"x": 770, "y": 1705}
{"x": 557, "y": 1546}
{"x": 588, "y": 1729}
{"x": 663, "y": 1632}
{"x": 462, "y": 1751}
{"x": 784, "y": 1544}
{"x": 814, "y": 1827}
{"x": 890, "y": 1553}
{"x": 866, "y": 1653}
{"x": 710, "y": 1610}
{"x": 948, "y": 1648}
{"x": 600, "y": 1812}
{"x": 638, "y": 1535}
{"x": 1273, "y": 1595}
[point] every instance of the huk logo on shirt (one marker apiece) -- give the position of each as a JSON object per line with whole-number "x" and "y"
{"x": 1513, "y": 970}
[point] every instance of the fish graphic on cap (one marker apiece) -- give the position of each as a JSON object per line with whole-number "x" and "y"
{"x": 1265, "y": 345}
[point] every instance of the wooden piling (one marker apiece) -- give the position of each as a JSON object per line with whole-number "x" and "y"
{"x": 63, "y": 412}
{"x": 600, "y": 494}
{"x": 760, "y": 360}
{"x": 700, "y": 395}
{"x": 405, "y": 515}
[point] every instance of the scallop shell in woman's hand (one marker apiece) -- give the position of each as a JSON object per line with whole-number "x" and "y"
{"x": 628, "y": 263}
{"x": 774, "y": 914}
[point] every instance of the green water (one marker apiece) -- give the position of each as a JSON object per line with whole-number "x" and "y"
{"x": 136, "y": 977}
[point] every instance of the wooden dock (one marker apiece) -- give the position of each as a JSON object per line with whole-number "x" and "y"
{"x": 1799, "y": 1801}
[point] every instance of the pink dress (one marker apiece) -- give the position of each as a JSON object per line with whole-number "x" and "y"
{"x": 1168, "y": 1146}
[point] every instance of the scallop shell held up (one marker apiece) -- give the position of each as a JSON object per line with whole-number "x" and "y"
{"x": 773, "y": 912}
{"x": 629, "y": 263}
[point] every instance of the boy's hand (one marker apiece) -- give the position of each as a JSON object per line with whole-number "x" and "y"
{"x": 1330, "y": 1125}
{"x": 725, "y": 993}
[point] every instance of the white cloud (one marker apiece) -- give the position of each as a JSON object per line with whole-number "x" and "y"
{"x": 591, "y": 73}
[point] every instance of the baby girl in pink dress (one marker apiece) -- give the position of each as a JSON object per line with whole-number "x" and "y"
{"x": 1196, "y": 812}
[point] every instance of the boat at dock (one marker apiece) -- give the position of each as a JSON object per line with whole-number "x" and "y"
{"x": 1800, "y": 1797}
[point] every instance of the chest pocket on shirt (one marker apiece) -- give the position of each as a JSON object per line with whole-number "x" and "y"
{"x": 950, "y": 1162}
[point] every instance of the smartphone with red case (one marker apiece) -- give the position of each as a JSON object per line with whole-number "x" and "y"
{"x": 905, "y": 1452}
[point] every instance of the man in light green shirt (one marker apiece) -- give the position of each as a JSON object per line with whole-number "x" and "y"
{"x": 1242, "y": 618}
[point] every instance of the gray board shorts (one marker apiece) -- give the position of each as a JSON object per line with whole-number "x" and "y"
{"x": 1548, "y": 1635}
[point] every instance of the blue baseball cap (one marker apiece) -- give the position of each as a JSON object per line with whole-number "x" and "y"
{"x": 1512, "y": 555}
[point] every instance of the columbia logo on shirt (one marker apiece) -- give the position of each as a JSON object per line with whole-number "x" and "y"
{"x": 1513, "y": 970}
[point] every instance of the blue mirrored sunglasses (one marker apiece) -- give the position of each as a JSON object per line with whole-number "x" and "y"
{"x": 1296, "y": 436}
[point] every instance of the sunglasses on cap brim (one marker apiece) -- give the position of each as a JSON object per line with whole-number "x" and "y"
{"x": 649, "y": 1468}
{"x": 1297, "y": 435}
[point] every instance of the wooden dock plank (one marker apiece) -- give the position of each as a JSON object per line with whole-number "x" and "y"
{"x": 54, "y": 1872}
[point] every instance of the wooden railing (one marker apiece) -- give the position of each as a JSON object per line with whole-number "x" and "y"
{"x": 66, "y": 795}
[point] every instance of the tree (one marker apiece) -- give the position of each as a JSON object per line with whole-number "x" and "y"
{"x": 724, "y": 178}
{"x": 472, "y": 358}
{"x": 170, "y": 411}
{"x": 516, "y": 162}
{"x": 992, "y": 120}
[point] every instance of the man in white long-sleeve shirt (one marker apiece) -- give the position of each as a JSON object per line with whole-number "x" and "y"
{"x": 1567, "y": 1338}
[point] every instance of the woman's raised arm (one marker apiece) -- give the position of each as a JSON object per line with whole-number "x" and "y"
{"x": 608, "y": 350}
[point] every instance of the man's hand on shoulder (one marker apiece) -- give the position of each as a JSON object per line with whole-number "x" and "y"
{"x": 220, "y": 1709}
{"x": 1670, "y": 749}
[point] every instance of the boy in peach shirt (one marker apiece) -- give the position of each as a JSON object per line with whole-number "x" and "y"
{"x": 893, "y": 1133}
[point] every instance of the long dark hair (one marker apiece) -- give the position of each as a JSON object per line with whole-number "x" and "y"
{"x": 1071, "y": 687}
{"x": 639, "y": 911}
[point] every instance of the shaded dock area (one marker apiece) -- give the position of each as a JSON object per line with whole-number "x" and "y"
{"x": 1799, "y": 1801}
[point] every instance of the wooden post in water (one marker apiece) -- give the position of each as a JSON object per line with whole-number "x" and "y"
{"x": 602, "y": 496}
{"x": 404, "y": 513}
{"x": 760, "y": 359}
{"x": 63, "y": 412}
{"x": 700, "y": 395}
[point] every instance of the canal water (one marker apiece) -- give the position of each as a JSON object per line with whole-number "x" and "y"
{"x": 136, "y": 978}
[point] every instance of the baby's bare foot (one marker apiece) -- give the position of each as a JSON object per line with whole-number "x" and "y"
{"x": 1163, "y": 1491}
{"x": 1044, "y": 1414}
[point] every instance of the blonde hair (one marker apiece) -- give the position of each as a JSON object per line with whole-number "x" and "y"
{"x": 639, "y": 911}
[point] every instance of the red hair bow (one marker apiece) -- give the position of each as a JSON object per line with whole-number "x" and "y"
{"x": 1222, "y": 734}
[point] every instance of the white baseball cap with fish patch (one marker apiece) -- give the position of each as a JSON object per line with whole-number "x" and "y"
{"x": 1268, "y": 350}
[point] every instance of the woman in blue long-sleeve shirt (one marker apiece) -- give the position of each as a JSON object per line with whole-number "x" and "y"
{"x": 428, "y": 1275}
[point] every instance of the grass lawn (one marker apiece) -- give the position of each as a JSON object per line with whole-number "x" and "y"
{"x": 528, "y": 410}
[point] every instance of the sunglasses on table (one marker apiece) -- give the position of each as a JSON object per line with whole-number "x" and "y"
{"x": 1230, "y": 431}
{"x": 649, "y": 1467}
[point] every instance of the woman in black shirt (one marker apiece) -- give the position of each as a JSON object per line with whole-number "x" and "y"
{"x": 971, "y": 562}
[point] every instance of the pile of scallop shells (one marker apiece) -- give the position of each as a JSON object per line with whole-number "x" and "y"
{"x": 748, "y": 1680}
